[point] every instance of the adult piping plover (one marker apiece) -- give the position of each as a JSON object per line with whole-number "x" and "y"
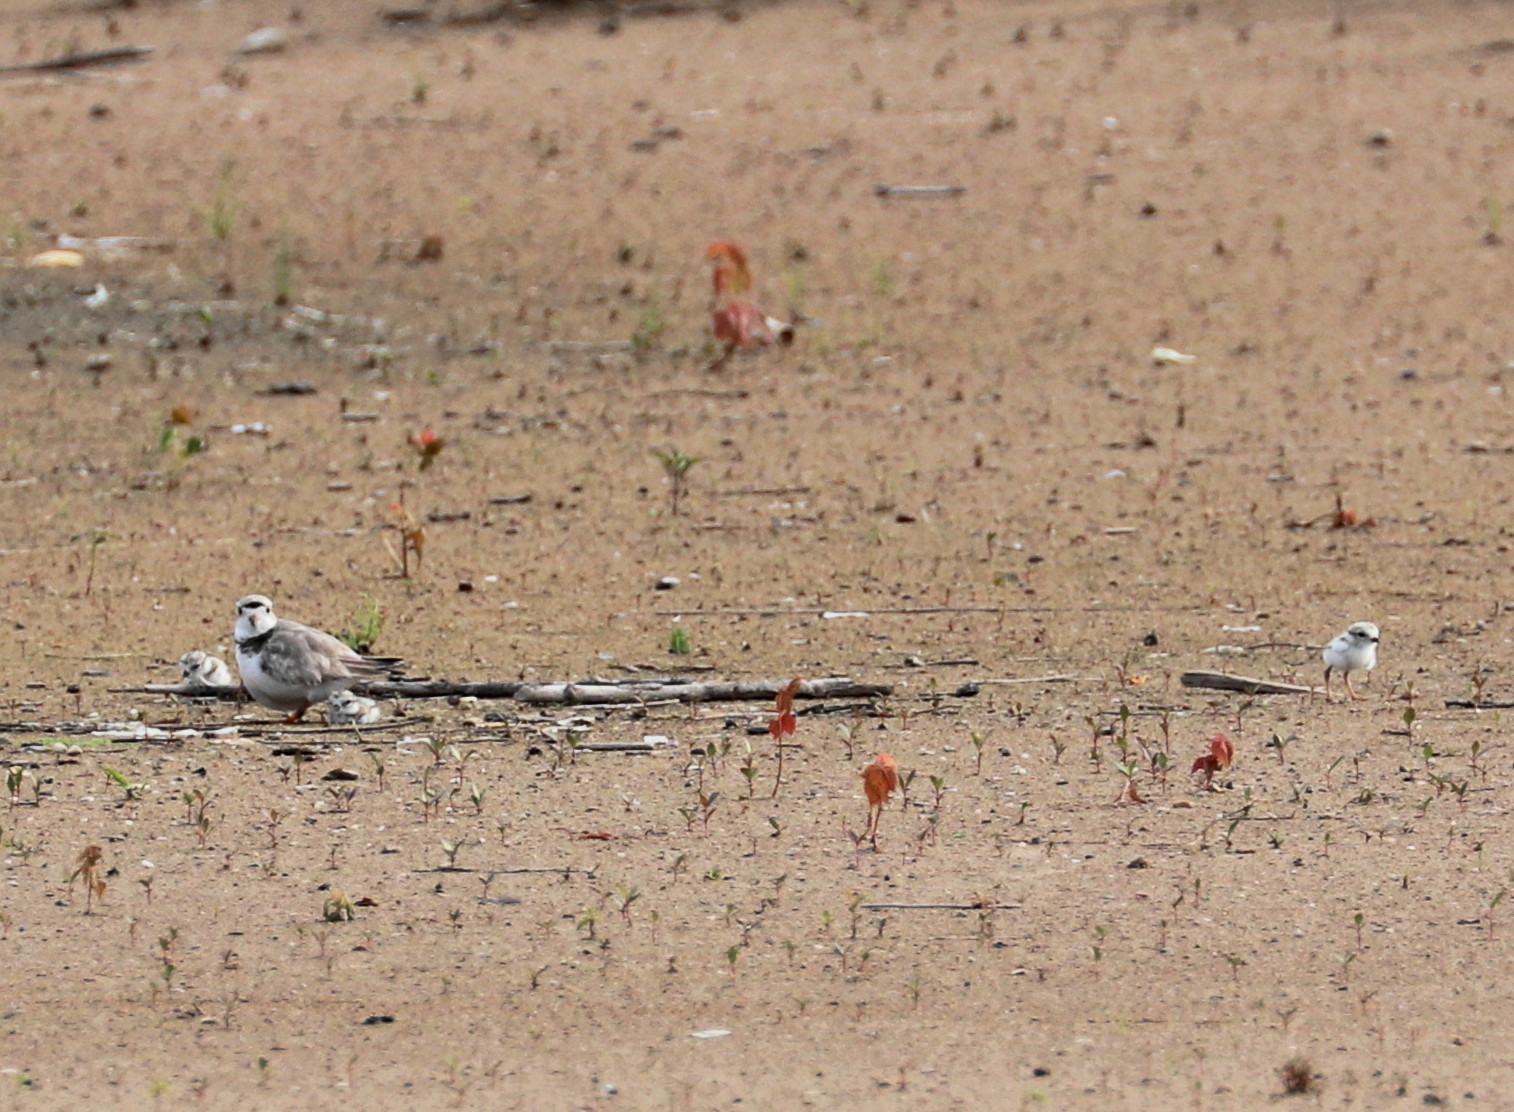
{"x": 1353, "y": 651}
{"x": 288, "y": 666}
{"x": 346, "y": 709}
{"x": 203, "y": 670}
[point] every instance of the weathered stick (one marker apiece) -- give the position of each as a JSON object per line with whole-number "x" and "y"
{"x": 571, "y": 694}
{"x": 882, "y": 190}
{"x": 1224, "y": 681}
{"x": 1473, "y": 704}
{"x": 941, "y": 907}
{"x": 697, "y": 691}
{"x": 80, "y": 60}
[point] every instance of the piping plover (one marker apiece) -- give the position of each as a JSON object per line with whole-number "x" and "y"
{"x": 288, "y": 666}
{"x": 346, "y": 709}
{"x": 1353, "y": 651}
{"x": 203, "y": 670}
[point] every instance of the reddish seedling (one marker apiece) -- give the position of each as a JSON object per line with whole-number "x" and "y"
{"x": 879, "y": 780}
{"x": 412, "y": 536}
{"x": 427, "y": 446}
{"x": 783, "y": 724}
{"x": 1221, "y": 753}
{"x": 737, "y": 320}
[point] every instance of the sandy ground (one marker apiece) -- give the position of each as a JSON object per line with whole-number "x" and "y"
{"x": 968, "y": 479}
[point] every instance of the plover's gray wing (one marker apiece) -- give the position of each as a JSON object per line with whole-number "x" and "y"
{"x": 300, "y": 656}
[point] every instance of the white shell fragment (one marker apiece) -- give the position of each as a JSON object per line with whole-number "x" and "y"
{"x": 265, "y": 40}
{"x": 1162, "y": 356}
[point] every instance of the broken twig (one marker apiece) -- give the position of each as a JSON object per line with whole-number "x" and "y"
{"x": 79, "y": 60}
{"x": 1246, "y": 685}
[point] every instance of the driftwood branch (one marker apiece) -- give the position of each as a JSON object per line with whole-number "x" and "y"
{"x": 80, "y": 60}
{"x": 942, "y": 907}
{"x": 1246, "y": 685}
{"x": 569, "y": 694}
{"x": 1473, "y": 704}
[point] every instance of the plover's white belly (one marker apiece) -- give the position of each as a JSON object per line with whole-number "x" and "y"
{"x": 277, "y": 694}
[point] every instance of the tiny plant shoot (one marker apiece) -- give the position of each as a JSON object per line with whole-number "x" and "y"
{"x": 676, "y": 464}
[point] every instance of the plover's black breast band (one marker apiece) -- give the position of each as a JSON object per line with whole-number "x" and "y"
{"x": 254, "y": 644}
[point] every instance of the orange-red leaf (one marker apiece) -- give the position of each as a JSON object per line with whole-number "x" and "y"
{"x": 1221, "y": 753}
{"x": 731, "y": 276}
{"x": 785, "y": 723}
{"x": 742, "y": 324}
{"x": 880, "y": 780}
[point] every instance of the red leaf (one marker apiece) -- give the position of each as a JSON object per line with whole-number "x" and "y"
{"x": 742, "y": 324}
{"x": 731, "y": 275}
{"x": 783, "y": 707}
{"x": 880, "y": 780}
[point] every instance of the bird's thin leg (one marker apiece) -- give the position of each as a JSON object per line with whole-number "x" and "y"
{"x": 1327, "y": 684}
{"x": 1351, "y": 691}
{"x": 298, "y": 715}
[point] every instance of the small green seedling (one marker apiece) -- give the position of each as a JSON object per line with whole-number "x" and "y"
{"x": 130, "y": 792}
{"x": 676, "y": 464}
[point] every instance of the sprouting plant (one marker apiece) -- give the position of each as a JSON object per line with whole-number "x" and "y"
{"x": 87, "y": 870}
{"x": 848, "y": 732}
{"x": 15, "y": 776}
{"x": 1097, "y": 948}
{"x": 938, "y": 787}
{"x": 650, "y": 324}
{"x": 221, "y": 217}
{"x": 362, "y": 630}
{"x": 129, "y": 790}
{"x": 627, "y": 896}
{"x": 749, "y": 770}
{"x": 1128, "y": 791}
{"x": 342, "y": 796}
{"x": 94, "y": 537}
{"x": 337, "y": 908}
{"x": 676, "y": 464}
{"x": 587, "y": 921}
{"x": 427, "y": 446}
{"x": 1490, "y": 906}
{"x": 1058, "y": 747}
{"x": 378, "y": 767}
{"x": 707, "y": 806}
{"x": 979, "y": 741}
{"x": 1095, "y": 753}
{"x": 1280, "y": 743}
{"x": 451, "y": 849}
{"x": 476, "y": 797}
{"x": 1479, "y": 683}
{"x": 783, "y": 725}
{"x": 678, "y": 642}
{"x": 411, "y": 532}
{"x": 880, "y": 277}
